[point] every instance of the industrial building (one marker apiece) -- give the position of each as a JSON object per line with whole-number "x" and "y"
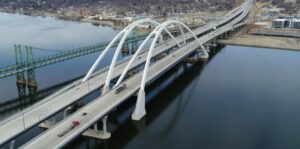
{"x": 296, "y": 23}
{"x": 287, "y": 22}
{"x": 281, "y": 23}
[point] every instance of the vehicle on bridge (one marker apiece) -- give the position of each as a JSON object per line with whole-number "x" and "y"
{"x": 120, "y": 89}
{"x": 74, "y": 124}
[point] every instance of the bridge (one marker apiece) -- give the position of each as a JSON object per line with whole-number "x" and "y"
{"x": 119, "y": 81}
{"x": 33, "y": 63}
{"x": 62, "y": 55}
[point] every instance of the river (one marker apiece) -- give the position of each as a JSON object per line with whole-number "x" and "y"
{"x": 243, "y": 97}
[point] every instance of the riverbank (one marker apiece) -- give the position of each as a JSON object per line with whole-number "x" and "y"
{"x": 108, "y": 22}
{"x": 263, "y": 41}
{"x": 116, "y": 24}
{"x": 190, "y": 18}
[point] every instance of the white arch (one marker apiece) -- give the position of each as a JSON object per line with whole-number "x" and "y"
{"x": 140, "y": 111}
{"x": 146, "y": 40}
{"x": 143, "y": 44}
{"x": 124, "y": 34}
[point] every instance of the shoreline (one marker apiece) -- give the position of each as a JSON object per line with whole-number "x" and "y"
{"x": 282, "y": 43}
{"x": 107, "y": 22}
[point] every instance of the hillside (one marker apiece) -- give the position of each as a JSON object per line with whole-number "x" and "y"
{"x": 289, "y": 6}
{"x": 115, "y": 7}
{"x": 160, "y": 8}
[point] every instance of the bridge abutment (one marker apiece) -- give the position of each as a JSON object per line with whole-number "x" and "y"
{"x": 98, "y": 134}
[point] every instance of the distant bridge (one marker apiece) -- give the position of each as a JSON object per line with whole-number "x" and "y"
{"x": 33, "y": 63}
{"x": 30, "y": 62}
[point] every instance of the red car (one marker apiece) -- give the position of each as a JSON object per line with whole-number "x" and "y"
{"x": 75, "y": 123}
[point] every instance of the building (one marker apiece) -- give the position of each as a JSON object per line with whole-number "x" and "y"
{"x": 296, "y": 23}
{"x": 290, "y": 22}
{"x": 281, "y": 23}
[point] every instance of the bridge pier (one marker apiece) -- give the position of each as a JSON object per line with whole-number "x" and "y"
{"x": 32, "y": 83}
{"x": 165, "y": 36}
{"x": 12, "y": 144}
{"x": 98, "y": 134}
{"x": 21, "y": 89}
{"x": 139, "y": 111}
{"x": 65, "y": 113}
{"x": 20, "y": 79}
{"x": 214, "y": 42}
{"x": 207, "y": 48}
{"x": 134, "y": 46}
{"x": 203, "y": 56}
{"x": 191, "y": 60}
{"x": 226, "y": 35}
{"x": 48, "y": 123}
{"x": 125, "y": 48}
{"x": 161, "y": 39}
{"x": 132, "y": 72}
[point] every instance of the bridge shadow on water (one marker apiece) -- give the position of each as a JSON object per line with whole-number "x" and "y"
{"x": 161, "y": 94}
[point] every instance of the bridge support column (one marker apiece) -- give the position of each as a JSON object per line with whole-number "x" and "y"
{"x": 161, "y": 39}
{"x": 21, "y": 82}
{"x": 32, "y": 83}
{"x": 204, "y": 55}
{"x": 139, "y": 111}
{"x": 207, "y": 47}
{"x": 95, "y": 133}
{"x": 200, "y": 54}
{"x": 53, "y": 120}
{"x": 12, "y": 144}
{"x": 125, "y": 49}
{"x": 21, "y": 90}
{"x": 192, "y": 60}
{"x": 96, "y": 127}
{"x": 105, "y": 133}
{"x": 134, "y": 46}
{"x": 65, "y": 113}
{"x": 48, "y": 123}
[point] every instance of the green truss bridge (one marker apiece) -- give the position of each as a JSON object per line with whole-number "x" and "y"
{"x": 33, "y": 63}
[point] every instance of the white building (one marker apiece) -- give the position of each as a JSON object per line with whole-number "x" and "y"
{"x": 296, "y": 23}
